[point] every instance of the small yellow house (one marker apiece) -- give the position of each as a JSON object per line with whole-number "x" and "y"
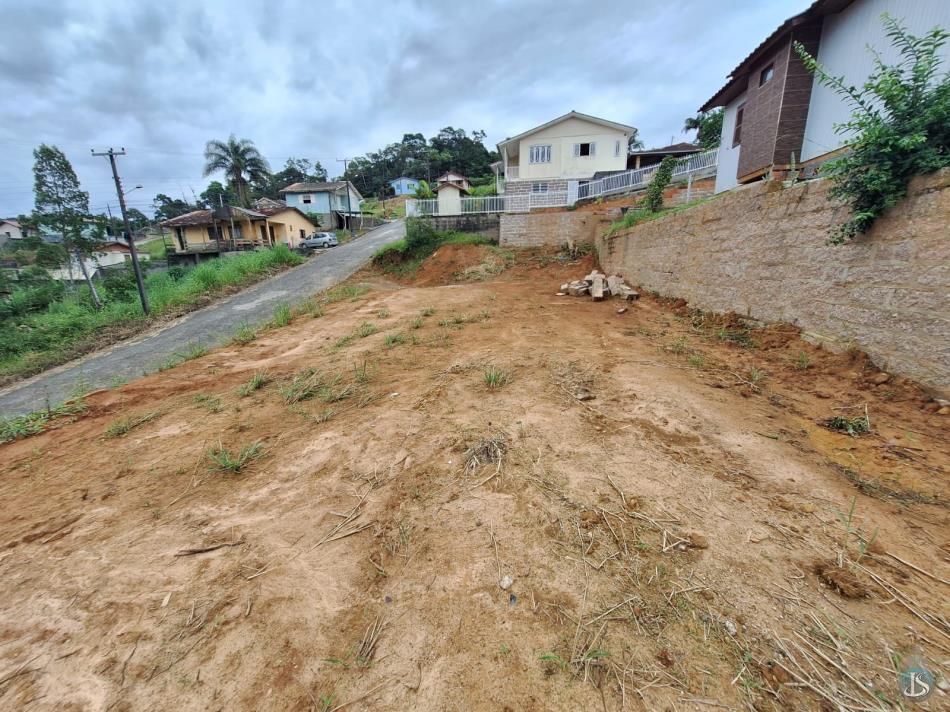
{"x": 234, "y": 228}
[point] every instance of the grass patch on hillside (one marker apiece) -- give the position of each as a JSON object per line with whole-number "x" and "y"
{"x": 635, "y": 216}
{"x": 22, "y": 426}
{"x": 403, "y": 257}
{"x": 155, "y": 249}
{"x": 38, "y": 338}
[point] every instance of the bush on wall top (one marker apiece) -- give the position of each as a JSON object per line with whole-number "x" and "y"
{"x": 899, "y": 127}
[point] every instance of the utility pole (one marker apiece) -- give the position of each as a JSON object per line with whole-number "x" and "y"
{"x": 128, "y": 227}
{"x": 349, "y": 209}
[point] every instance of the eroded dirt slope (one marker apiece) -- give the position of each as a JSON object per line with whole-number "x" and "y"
{"x": 481, "y": 496}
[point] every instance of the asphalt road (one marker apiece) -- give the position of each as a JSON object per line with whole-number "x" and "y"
{"x": 210, "y": 326}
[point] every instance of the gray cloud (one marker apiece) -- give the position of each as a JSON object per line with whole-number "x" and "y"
{"x": 324, "y": 80}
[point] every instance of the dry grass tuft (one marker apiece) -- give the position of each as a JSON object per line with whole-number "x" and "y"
{"x": 486, "y": 451}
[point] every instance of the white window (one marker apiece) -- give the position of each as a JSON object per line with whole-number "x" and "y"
{"x": 616, "y": 148}
{"x": 585, "y": 149}
{"x": 308, "y": 199}
{"x": 539, "y": 187}
{"x": 540, "y": 154}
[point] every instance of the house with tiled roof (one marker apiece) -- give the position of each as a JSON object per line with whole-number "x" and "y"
{"x": 333, "y": 202}
{"x": 10, "y": 229}
{"x": 229, "y": 228}
{"x": 641, "y": 158}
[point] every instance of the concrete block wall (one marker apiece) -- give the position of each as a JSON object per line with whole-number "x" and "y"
{"x": 762, "y": 250}
{"x": 551, "y": 228}
{"x": 485, "y": 225}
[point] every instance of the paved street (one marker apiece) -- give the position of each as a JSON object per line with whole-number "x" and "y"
{"x": 211, "y": 326}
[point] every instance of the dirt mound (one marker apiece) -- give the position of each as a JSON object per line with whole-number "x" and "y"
{"x": 449, "y": 264}
{"x": 400, "y": 502}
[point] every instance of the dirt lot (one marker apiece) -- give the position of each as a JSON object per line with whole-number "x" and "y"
{"x": 481, "y": 496}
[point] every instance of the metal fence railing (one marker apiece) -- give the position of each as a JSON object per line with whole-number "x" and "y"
{"x": 524, "y": 202}
{"x": 639, "y": 178}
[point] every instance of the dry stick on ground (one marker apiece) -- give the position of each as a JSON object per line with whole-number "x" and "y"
{"x": 494, "y": 541}
{"x": 211, "y": 547}
{"x": 357, "y": 699}
{"x": 941, "y": 626}
{"x": 125, "y": 663}
{"x": 812, "y": 681}
{"x": 346, "y": 527}
{"x": 918, "y": 569}
{"x": 22, "y": 670}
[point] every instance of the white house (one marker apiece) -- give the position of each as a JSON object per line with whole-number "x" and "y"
{"x": 454, "y": 177}
{"x": 774, "y": 113}
{"x": 554, "y": 157}
{"x": 111, "y": 252}
{"x": 449, "y": 195}
{"x": 10, "y": 230}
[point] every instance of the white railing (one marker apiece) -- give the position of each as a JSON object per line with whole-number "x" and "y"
{"x": 524, "y": 202}
{"x": 416, "y": 207}
{"x": 511, "y": 173}
{"x": 483, "y": 204}
{"x": 632, "y": 180}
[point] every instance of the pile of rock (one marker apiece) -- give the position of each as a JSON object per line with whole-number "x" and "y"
{"x": 599, "y": 286}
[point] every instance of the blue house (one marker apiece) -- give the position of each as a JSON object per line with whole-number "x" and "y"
{"x": 404, "y": 185}
{"x": 333, "y": 201}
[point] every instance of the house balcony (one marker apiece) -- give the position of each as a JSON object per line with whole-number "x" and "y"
{"x": 511, "y": 172}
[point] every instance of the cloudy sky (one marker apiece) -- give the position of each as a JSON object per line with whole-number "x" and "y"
{"x": 323, "y": 80}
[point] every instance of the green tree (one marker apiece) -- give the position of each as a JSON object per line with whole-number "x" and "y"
{"x": 708, "y": 128}
{"x": 62, "y": 206}
{"x": 295, "y": 170}
{"x": 423, "y": 191}
{"x": 216, "y": 194}
{"x": 167, "y": 208}
{"x": 899, "y": 126}
{"x": 241, "y": 163}
{"x": 413, "y": 156}
{"x": 137, "y": 218}
{"x": 635, "y": 143}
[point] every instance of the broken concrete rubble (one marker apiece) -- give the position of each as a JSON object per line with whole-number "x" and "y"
{"x": 599, "y": 286}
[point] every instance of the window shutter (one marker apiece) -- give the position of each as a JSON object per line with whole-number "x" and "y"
{"x": 593, "y": 149}
{"x": 577, "y": 149}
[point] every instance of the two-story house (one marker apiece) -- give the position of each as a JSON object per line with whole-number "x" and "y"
{"x": 774, "y": 113}
{"x": 334, "y": 201}
{"x": 555, "y": 157}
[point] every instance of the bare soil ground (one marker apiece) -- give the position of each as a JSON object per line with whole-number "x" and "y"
{"x": 480, "y": 496}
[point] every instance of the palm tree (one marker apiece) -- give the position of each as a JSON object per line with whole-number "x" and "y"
{"x": 240, "y": 161}
{"x": 635, "y": 143}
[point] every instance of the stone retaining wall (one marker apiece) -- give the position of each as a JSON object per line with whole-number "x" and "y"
{"x": 761, "y": 250}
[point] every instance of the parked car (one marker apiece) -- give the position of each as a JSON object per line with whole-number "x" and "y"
{"x": 320, "y": 239}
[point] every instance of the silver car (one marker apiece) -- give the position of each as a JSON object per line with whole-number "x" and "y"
{"x": 320, "y": 239}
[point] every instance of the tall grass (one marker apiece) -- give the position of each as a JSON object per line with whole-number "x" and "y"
{"x": 40, "y": 339}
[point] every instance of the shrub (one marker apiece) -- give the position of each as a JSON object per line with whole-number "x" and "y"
{"x": 661, "y": 179}
{"x": 899, "y": 128}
